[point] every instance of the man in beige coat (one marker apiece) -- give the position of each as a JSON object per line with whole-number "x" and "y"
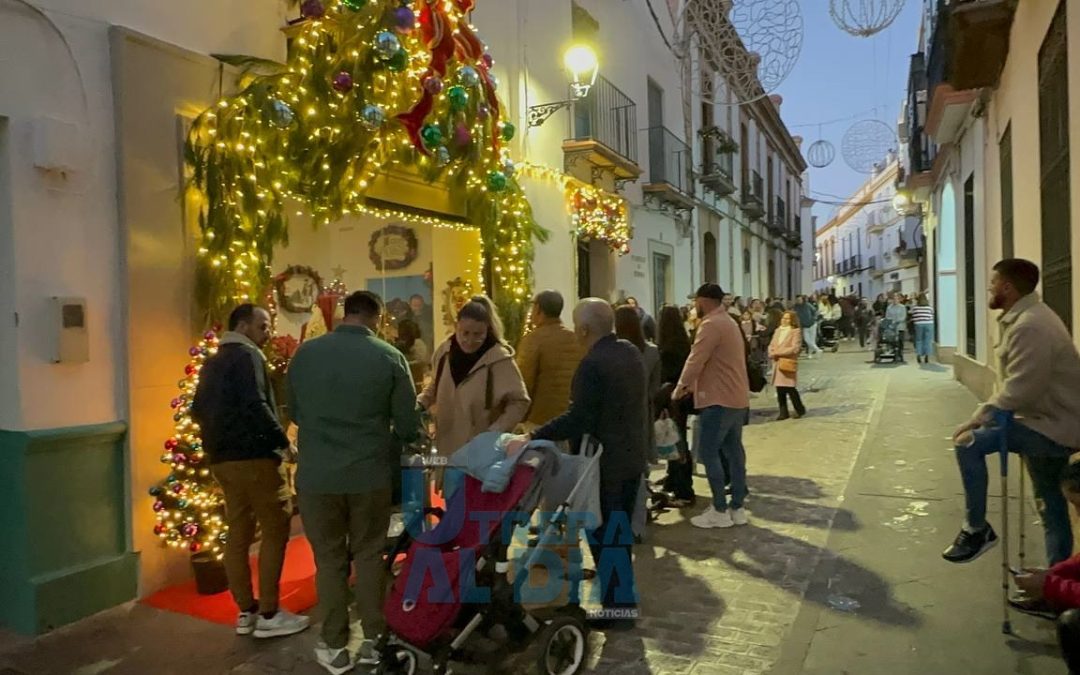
{"x": 548, "y": 357}
{"x": 1038, "y": 380}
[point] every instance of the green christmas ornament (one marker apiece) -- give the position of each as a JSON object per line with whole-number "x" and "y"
{"x": 458, "y": 97}
{"x": 496, "y": 181}
{"x": 398, "y": 61}
{"x": 431, "y": 135}
{"x": 354, "y": 5}
{"x": 508, "y": 131}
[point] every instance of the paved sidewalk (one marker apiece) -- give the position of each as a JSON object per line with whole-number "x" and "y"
{"x": 838, "y": 572}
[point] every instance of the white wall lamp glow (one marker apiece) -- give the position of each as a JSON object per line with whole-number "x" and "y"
{"x": 583, "y": 67}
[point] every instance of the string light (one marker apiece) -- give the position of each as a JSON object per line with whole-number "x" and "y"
{"x": 595, "y": 214}
{"x": 189, "y": 505}
{"x": 292, "y": 138}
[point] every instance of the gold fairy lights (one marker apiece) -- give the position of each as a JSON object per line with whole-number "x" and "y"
{"x": 291, "y": 137}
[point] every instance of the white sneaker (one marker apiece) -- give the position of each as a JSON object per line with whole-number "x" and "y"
{"x": 738, "y": 516}
{"x": 245, "y": 623}
{"x": 712, "y": 518}
{"x": 335, "y": 661}
{"x": 283, "y": 623}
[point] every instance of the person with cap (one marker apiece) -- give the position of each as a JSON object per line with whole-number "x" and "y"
{"x": 716, "y": 376}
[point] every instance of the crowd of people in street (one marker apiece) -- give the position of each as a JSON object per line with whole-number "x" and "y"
{"x": 612, "y": 377}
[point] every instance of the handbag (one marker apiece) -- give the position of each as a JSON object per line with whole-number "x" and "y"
{"x": 667, "y": 437}
{"x": 787, "y": 365}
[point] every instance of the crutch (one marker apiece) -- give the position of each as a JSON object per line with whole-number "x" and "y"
{"x": 1001, "y": 422}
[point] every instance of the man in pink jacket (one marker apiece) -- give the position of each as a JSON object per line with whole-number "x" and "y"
{"x": 715, "y": 374}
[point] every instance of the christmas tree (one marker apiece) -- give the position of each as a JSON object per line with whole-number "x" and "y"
{"x": 189, "y": 505}
{"x": 370, "y": 86}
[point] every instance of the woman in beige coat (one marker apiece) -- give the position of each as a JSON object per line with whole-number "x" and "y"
{"x": 784, "y": 352}
{"x": 476, "y": 386}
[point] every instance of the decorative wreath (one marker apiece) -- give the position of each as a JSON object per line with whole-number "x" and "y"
{"x": 299, "y": 300}
{"x": 394, "y": 247}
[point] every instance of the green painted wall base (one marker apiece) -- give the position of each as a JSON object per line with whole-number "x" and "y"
{"x": 65, "y": 524}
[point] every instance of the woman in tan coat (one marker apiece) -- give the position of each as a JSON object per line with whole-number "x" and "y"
{"x": 784, "y": 352}
{"x": 476, "y": 386}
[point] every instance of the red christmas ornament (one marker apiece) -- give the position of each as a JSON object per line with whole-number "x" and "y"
{"x": 189, "y": 370}
{"x": 195, "y": 547}
{"x": 171, "y": 444}
{"x": 159, "y": 529}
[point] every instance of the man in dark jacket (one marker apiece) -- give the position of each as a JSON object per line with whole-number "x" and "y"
{"x": 234, "y": 407}
{"x": 608, "y": 402}
{"x": 353, "y": 398}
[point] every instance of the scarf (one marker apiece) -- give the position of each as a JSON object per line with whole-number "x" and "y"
{"x": 461, "y": 364}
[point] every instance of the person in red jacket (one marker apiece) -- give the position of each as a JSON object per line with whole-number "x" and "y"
{"x": 1056, "y": 591}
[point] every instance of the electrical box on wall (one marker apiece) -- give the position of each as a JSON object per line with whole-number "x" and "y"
{"x": 68, "y": 319}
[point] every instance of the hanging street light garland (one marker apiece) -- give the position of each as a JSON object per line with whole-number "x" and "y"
{"x": 863, "y": 18}
{"x": 370, "y": 86}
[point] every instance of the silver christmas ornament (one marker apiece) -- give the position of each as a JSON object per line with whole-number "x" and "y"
{"x": 372, "y": 116}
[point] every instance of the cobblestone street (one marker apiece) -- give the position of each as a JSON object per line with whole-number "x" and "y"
{"x": 838, "y": 572}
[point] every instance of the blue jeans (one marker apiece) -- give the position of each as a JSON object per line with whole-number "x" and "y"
{"x": 1045, "y": 461}
{"x": 721, "y": 436}
{"x": 924, "y": 338}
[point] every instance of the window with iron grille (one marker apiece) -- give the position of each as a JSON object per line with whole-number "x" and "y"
{"x": 1054, "y": 169}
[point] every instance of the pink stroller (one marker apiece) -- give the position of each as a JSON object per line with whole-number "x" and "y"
{"x": 454, "y": 584}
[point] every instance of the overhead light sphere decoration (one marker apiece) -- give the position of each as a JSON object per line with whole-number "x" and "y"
{"x": 864, "y": 18}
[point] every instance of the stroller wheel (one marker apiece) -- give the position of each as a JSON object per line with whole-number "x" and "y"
{"x": 561, "y": 646}
{"x": 403, "y": 662}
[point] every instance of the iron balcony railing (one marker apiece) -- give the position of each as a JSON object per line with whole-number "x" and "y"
{"x": 921, "y": 149}
{"x": 753, "y": 191}
{"x": 670, "y": 159}
{"x": 607, "y": 116}
{"x": 722, "y": 163}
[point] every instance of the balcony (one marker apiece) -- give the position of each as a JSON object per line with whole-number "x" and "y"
{"x": 872, "y": 265}
{"x": 777, "y": 222}
{"x": 921, "y": 149}
{"x": 968, "y": 49}
{"x": 718, "y": 170}
{"x": 669, "y": 169}
{"x": 753, "y": 201}
{"x": 605, "y": 132}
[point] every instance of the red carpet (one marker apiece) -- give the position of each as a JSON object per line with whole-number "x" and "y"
{"x": 297, "y": 590}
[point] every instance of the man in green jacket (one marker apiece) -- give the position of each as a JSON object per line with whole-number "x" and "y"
{"x": 353, "y": 399}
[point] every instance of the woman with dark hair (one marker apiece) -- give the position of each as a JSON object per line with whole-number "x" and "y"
{"x": 628, "y": 327}
{"x": 477, "y": 387}
{"x": 410, "y": 344}
{"x": 674, "y": 345}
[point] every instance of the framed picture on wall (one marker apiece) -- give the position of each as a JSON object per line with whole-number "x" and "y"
{"x": 407, "y": 297}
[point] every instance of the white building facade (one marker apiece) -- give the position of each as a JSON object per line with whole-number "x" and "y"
{"x": 993, "y": 163}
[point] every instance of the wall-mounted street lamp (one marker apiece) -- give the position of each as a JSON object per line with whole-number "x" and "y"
{"x": 582, "y": 65}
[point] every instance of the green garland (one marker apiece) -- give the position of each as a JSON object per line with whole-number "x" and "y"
{"x": 312, "y": 135}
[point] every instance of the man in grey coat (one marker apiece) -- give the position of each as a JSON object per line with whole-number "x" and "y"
{"x": 1038, "y": 377}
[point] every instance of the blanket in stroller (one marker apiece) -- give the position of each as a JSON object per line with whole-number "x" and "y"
{"x": 484, "y": 458}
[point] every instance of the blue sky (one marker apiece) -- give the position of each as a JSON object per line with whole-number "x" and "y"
{"x": 841, "y": 76}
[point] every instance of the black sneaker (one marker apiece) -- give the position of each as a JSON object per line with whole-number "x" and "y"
{"x": 1022, "y": 602}
{"x": 970, "y": 545}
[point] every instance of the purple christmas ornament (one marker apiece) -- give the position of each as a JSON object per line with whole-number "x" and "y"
{"x": 483, "y": 112}
{"x": 462, "y": 136}
{"x": 488, "y": 60}
{"x": 343, "y": 83}
{"x": 404, "y": 19}
{"x": 313, "y": 9}
{"x": 433, "y": 85}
